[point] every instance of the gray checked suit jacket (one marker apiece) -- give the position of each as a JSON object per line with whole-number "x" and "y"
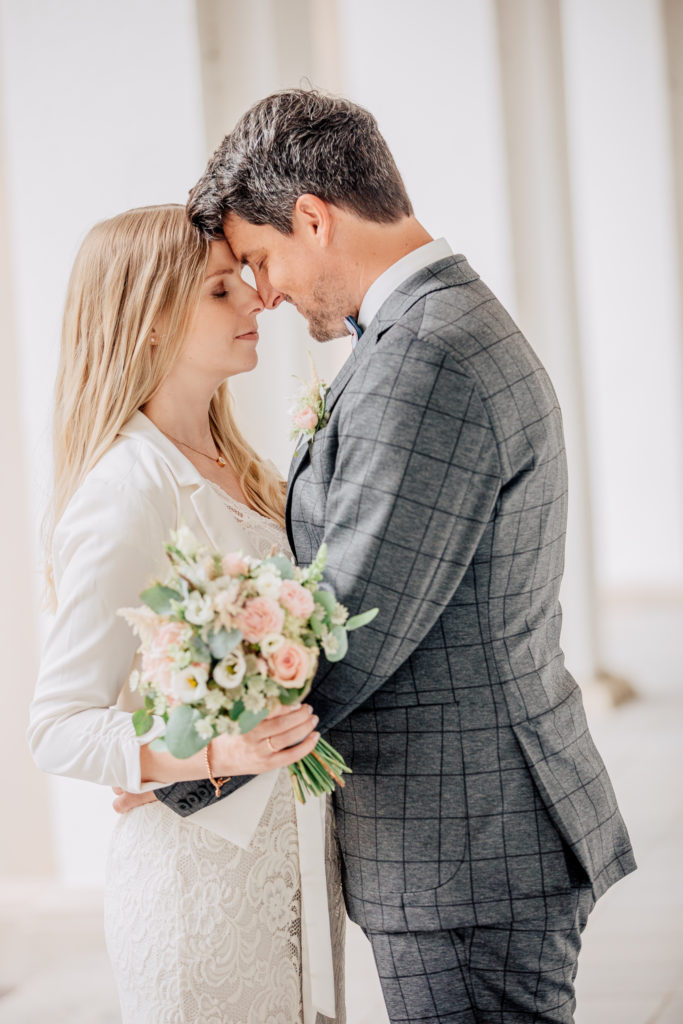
{"x": 440, "y": 487}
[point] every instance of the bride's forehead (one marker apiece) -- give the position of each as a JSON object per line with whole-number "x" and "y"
{"x": 221, "y": 257}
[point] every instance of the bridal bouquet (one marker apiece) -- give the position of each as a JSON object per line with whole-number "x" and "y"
{"x": 225, "y": 638}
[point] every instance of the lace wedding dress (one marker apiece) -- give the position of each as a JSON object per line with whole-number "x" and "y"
{"x": 200, "y": 931}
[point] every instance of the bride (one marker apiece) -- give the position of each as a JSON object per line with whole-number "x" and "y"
{"x": 204, "y": 915}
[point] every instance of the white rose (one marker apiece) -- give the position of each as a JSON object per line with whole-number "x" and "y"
{"x": 229, "y": 672}
{"x": 268, "y": 584}
{"x": 189, "y": 685}
{"x": 270, "y": 644}
{"x": 198, "y": 609}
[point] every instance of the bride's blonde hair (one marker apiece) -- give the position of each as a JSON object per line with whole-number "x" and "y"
{"x": 131, "y": 271}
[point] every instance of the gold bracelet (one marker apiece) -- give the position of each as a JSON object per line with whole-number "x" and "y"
{"x": 217, "y": 783}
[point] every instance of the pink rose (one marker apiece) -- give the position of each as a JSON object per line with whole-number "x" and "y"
{"x": 290, "y": 665}
{"x": 235, "y": 565}
{"x": 156, "y": 660}
{"x": 259, "y": 617}
{"x": 305, "y": 419}
{"x": 296, "y": 599}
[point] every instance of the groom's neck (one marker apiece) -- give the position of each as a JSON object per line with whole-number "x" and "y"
{"x": 378, "y": 246}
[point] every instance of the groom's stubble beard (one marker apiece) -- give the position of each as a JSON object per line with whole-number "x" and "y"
{"x": 325, "y": 315}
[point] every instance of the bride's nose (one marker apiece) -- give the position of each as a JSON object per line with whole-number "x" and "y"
{"x": 254, "y": 302}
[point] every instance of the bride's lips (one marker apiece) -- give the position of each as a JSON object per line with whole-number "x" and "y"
{"x": 248, "y": 336}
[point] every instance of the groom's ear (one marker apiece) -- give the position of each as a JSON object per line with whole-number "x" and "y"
{"x": 313, "y": 219}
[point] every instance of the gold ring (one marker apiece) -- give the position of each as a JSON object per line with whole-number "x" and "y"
{"x": 270, "y": 745}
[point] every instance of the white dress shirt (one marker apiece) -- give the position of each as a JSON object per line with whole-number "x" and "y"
{"x": 397, "y": 273}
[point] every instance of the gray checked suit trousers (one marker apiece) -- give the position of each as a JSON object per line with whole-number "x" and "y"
{"x": 440, "y": 487}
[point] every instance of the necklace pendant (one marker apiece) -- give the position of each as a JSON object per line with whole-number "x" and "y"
{"x": 221, "y": 461}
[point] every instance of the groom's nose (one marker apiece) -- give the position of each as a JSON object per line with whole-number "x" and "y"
{"x": 270, "y": 297}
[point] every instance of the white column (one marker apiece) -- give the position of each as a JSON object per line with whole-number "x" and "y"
{"x": 27, "y": 845}
{"x": 540, "y": 211}
{"x": 102, "y": 113}
{"x": 625, "y": 230}
{"x": 672, "y": 11}
{"x": 429, "y": 72}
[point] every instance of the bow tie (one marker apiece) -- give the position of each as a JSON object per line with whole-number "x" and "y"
{"x": 354, "y": 329}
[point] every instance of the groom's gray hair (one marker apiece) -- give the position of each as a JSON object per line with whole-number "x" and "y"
{"x": 292, "y": 143}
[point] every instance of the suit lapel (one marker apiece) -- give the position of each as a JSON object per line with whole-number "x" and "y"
{"x": 301, "y": 456}
{"x": 446, "y": 273}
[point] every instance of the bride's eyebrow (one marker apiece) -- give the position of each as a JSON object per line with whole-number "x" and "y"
{"x": 220, "y": 273}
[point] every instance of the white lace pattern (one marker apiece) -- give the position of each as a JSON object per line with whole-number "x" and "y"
{"x": 262, "y": 532}
{"x": 200, "y": 931}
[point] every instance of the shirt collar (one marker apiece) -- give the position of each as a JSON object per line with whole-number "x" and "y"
{"x": 399, "y": 272}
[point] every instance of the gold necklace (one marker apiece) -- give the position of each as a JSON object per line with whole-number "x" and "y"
{"x": 214, "y": 458}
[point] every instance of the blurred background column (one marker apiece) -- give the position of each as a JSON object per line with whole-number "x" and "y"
{"x": 27, "y": 846}
{"x": 672, "y": 12}
{"x": 621, "y": 149}
{"x": 531, "y": 62}
{"x": 102, "y": 112}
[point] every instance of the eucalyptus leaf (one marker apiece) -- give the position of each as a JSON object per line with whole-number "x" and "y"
{"x": 282, "y": 564}
{"x": 316, "y": 625}
{"x": 159, "y": 598}
{"x": 224, "y": 642}
{"x": 290, "y": 695}
{"x": 159, "y": 744}
{"x": 199, "y": 648}
{"x": 326, "y": 600}
{"x": 356, "y": 621}
{"x": 236, "y": 710}
{"x": 142, "y": 721}
{"x": 248, "y": 720}
{"x": 339, "y": 633}
{"x": 182, "y": 738}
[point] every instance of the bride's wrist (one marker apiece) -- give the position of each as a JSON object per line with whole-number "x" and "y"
{"x": 216, "y": 781}
{"x": 217, "y": 760}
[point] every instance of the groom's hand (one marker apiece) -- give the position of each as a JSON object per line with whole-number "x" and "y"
{"x": 128, "y": 801}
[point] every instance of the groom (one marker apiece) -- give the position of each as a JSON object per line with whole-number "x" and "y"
{"x": 479, "y": 825}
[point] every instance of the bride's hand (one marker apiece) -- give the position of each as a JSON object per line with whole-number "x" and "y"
{"x": 285, "y": 736}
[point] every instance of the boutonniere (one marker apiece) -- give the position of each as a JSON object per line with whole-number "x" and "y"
{"x": 309, "y": 413}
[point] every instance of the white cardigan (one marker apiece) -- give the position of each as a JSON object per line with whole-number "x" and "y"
{"x": 107, "y": 547}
